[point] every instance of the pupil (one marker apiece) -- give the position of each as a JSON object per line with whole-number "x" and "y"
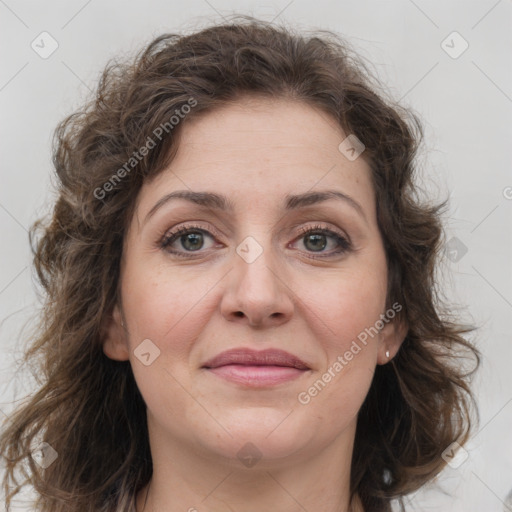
{"x": 319, "y": 242}
{"x": 193, "y": 241}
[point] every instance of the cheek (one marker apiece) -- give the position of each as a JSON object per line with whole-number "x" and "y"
{"x": 337, "y": 402}
{"x": 163, "y": 305}
{"x": 341, "y": 319}
{"x": 343, "y": 314}
{"x": 172, "y": 309}
{"x": 344, "y": 306}
{"x": 171, "y": 312}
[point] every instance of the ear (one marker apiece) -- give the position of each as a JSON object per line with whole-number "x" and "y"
{"x": 391, "y": 338}
{"x": 115, "y": 337}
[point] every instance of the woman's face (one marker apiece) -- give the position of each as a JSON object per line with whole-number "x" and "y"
{"x": 266, "y": 264}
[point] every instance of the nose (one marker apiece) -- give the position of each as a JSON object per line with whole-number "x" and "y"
{"x": 256, "y": 293}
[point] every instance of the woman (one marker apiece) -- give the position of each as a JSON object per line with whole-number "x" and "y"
{"x": 242, "y": 307}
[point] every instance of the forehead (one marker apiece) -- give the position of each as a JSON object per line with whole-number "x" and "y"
{"x": 262, "y": 149}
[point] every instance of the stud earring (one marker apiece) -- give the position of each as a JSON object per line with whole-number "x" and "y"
{"x": 387, "y": 354}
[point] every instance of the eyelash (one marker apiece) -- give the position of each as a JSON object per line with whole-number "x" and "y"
{"x": 344, "y": 245}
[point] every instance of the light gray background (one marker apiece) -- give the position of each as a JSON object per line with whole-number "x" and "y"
{"x": 466, "y": 104}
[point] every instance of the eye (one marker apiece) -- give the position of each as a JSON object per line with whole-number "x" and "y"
{"x": 316, "y": 239}
{"x": 189, "y": 239}
{"x": 186, "y": 238}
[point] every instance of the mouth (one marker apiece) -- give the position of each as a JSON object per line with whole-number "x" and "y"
{"x": 256, "y": 368}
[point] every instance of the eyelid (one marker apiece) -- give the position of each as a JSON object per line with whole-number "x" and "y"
{"x": 210, "y": 229}
{"x": 191, "y": 226}
{"x": 303, "y": 230}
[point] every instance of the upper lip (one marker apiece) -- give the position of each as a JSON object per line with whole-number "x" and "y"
{"x": 245, "y": 356}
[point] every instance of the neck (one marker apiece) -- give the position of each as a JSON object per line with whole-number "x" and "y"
{"x": 188, "y": 479}
{"x": 145, "y": 502}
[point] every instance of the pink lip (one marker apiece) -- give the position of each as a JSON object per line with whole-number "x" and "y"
{"x": 256, "y": 368}
{"x": 256, "y": 375}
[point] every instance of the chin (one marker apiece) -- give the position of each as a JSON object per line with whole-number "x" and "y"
{"x": 261, "y": 432}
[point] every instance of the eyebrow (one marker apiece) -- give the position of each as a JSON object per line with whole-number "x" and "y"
{"x": 216, "y": 201}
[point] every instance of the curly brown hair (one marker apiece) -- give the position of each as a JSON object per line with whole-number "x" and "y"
{"x": 88, "y": 407}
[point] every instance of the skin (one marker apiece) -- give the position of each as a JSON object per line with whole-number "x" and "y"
{"x": 254, "y": 152}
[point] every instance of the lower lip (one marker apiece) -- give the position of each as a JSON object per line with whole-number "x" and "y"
{"x": 257, "y": 375}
